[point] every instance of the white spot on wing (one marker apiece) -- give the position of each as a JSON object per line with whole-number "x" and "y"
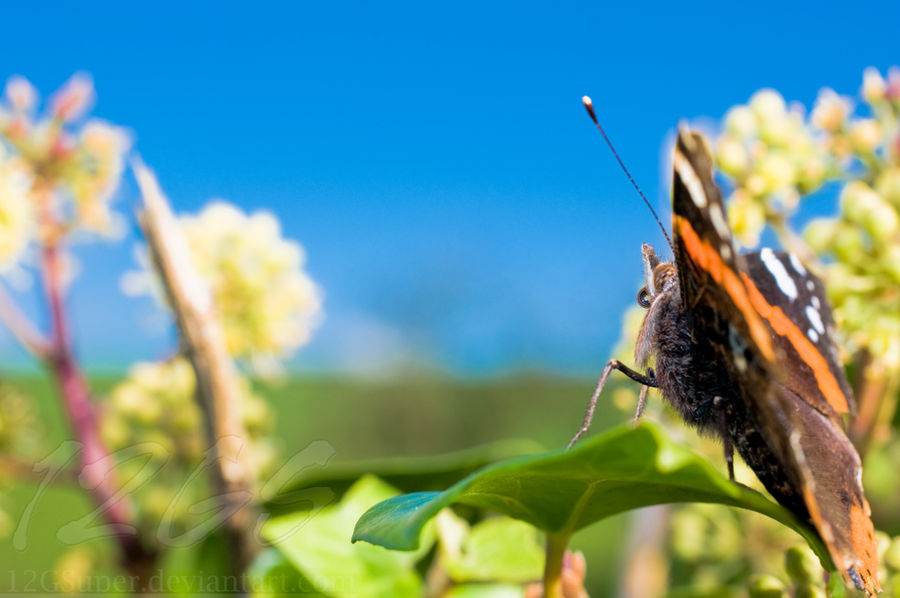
{"x": 813, "y": 335}
{"x": 810, "y": 285}
{"x": 725, "y": 250}
{"x": 812, "y": 314}
{"x": 777, "y": 270}
{"x": 718, "y": 221}
{"x": 798, "y": 267}
{"x": 690, "y": 180}
{"x": 815, "y": 302}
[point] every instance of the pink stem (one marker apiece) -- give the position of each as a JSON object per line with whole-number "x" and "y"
{"x": 97, "y": 464}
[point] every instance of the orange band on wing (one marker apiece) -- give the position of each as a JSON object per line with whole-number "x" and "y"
{"x": 710, "y": 260}
{"x": 862, "y": 533}
{"x": 781, "y": 324}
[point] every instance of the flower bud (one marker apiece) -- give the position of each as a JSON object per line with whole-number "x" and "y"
{"x": 114, "y": 430}
{"x": 776, "y": 131}
{"x": 767, "y": 104}
{"x": 848, "y": 244}
{"x": 864, "y": 206}
{"x": 731, "y": 157}
{"x": 801, "y": 565}
{"x": 811, "y": 174}
{"x": 888, "y": 185}
{"x": 865, "y": 135}
{"x": 892, "y": 265}
{"x": 830, "y": 111}
{"x": 740, "y": 122}
{"x": 820, "y": 233}
{"x": 21, "y": 94}
{"x": 18, "y": 221}
{"x": 873, "y": 87}
{"x": 73, "y": 569}
{"x": 777, "y": 170}
{"x": 73, "y": 98}
{"x": 809, "y": 591}
{"x": 747, "y": 218}
{"x": 756, "y": 185}
{"x": 892, "y": 91}
{"x": 839, "y": 145}
{"x": 766, "y": 586}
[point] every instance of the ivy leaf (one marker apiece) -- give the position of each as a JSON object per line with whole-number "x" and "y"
{"x": 561, "y": 492}
{"x": 316, "y": 543}
{"x": 499, "y": 549}
{"x": 403, "y": 473}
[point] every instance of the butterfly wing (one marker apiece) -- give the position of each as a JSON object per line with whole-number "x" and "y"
{"x": 708, "y": 265}
{"x": 789, "y": 380}
{"x": 792, "y": 301}
{"x": 828, "y": 471}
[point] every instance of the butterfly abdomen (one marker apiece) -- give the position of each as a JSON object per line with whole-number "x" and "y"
{"x": 689, "y": 376}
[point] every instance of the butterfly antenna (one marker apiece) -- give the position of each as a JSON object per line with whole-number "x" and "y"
{"x": 590, "y": 109}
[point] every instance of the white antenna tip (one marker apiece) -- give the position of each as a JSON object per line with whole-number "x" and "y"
{"x": 586, "y": 101}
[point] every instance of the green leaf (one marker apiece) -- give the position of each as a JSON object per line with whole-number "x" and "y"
{"x": 404, "y": 473}
{"x": 562, "y": 491}
{"x": 498, "y": 549}
{"x": 272, "y": 574}
{"x": 318, "y": 544}
{"x": 487, "y": 590}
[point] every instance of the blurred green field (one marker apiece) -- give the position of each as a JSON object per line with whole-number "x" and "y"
{"x": 416, "y": 416}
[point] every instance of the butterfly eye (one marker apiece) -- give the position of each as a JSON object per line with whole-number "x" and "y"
{"x": 643, "y": 298}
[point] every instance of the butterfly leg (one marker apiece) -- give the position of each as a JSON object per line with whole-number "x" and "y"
{"x": 642, "y": 400}
{"x": 726, "y": 439}
{"x": 614, "y": 364}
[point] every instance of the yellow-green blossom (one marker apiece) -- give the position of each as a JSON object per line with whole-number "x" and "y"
{"x": 17, "y": 218}
{"x": 831, "y": 110}
{"x": 74, "y": 169}
{"x": 267, "y": 302}
{"x": 154, "y": 412}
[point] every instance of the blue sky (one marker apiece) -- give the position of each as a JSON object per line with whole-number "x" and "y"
{"x": 434, "y": 160}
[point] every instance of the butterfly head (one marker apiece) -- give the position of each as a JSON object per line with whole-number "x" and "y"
{"x": 660, "y": 288}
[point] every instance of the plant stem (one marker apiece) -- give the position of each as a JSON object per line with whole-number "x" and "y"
{"x": 553, "y": 564}
{"x": 97, "y": 464}
{"x": 218, "y": 385}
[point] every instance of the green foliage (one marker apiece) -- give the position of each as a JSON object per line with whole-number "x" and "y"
{"x": 775, "y": 157}
{"x": 561, "y": 492}
{"x": 499, "y": 549}
{"x": 485, "y": 591}
{"x": 317, "y": 544}
{"x": 404, "y": 473}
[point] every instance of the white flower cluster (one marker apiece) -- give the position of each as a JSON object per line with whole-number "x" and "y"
{"x": 267, "y": 303}
{"x": 154, "y": 409}
{"x": 17, "y": 214}
{"x": 775, "y": 156}
{"x": 72, "y": 169}
{"x": 772, "y": 155}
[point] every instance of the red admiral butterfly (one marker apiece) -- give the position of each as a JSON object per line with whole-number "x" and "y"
{"x": 743, "y": 351}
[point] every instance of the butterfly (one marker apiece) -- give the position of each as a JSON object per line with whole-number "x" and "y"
{"x": 742, "y": 348}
